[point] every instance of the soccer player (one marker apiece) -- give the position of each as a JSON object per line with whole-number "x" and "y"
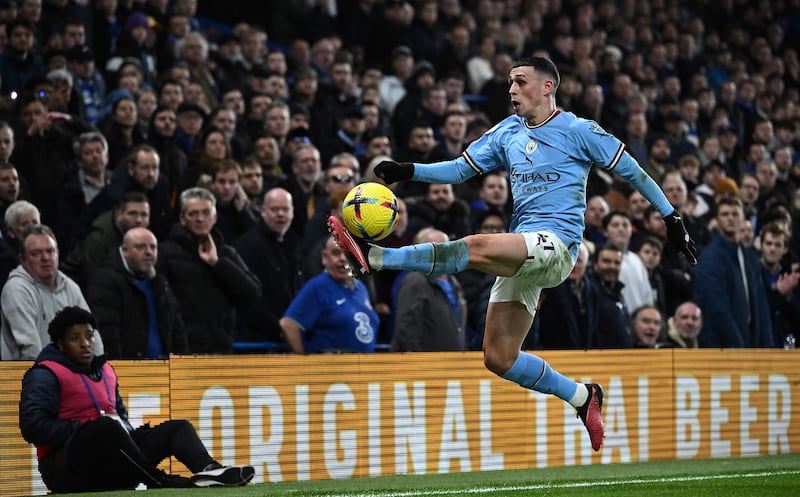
{"x": 547, "y": 154}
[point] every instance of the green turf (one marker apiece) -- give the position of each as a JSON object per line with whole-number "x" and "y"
{"x": 765, "y": 476}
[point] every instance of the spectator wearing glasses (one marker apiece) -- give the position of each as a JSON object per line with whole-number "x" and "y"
{"x": 294, "y": 139}
{"x": 337, "y": 181}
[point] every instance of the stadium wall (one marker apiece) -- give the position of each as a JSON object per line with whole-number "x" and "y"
{"x": 350, "y": 416}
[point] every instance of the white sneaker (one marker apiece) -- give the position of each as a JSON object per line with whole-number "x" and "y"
{"x": 224, "y": 476}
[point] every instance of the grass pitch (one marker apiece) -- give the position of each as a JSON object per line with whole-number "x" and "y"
{"x": 765, "y": 476}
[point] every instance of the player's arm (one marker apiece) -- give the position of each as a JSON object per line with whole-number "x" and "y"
{"x": 488, "y": 149}
{"x": 627, "y": 167}
{"x": 449, "y": 171}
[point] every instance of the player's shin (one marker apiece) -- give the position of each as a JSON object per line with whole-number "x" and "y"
{"x": 428, "y": 258}
{"x": 533, "y": 372}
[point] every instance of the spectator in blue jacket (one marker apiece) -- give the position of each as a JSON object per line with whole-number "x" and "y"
{"x": 729, "y": 287}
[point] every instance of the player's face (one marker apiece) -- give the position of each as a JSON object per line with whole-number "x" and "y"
{"x": 77, "y": 344}
{"x": 527, "y": 90}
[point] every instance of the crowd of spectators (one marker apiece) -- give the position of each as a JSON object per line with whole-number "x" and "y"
{"x": 213, "y": 140}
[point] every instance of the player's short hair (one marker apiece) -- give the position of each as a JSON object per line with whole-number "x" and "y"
{"x": 541, "y": 64}
{"x": 69, "y": 316}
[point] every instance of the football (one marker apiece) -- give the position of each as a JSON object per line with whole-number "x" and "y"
{"x": 369, "y": 211}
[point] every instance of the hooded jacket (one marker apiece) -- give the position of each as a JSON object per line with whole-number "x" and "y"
{"x": 27, "y": 309}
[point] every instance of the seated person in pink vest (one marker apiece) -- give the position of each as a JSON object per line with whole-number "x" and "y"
{"x": 72, "y": 411}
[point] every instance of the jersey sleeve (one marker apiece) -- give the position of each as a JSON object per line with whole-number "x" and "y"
{"x": 606, "y": 151}
{"x": 482, "y": 155}
{"x": 600, "y": 147}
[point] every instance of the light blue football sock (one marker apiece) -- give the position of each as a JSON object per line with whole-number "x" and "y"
{"x": 532, "y": 372}
{"x": 428, "y": 258}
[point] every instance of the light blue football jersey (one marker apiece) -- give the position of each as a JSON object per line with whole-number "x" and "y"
{"x": 548, "y": 165}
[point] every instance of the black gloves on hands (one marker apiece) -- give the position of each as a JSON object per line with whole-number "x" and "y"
{"x": 679, "y": 238}
{"x": 392, "y": 172}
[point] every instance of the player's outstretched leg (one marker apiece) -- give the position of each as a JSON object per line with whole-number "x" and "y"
{"x": 590, "y": 414}
{"x": 354, "y": 252}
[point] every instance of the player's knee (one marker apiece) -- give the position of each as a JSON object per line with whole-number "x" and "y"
{"x": 476, "y": 244}
{"x": 495, "y": 361}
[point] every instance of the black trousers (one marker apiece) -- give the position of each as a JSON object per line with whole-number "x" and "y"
{"x": 102, "y": 455}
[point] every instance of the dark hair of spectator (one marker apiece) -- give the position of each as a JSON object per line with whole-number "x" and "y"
{"x": 606, "y": 247}
{"x": 612, "y": 214}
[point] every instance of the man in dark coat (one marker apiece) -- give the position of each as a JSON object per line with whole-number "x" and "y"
{"x": 209, "y": 278}
{"x": 275, "y": 255}
{"x": 133, "y": 211}
{"x": 614, "y": 329}
{"x": 137, "y": 313}
{"x": 729, "y": 287}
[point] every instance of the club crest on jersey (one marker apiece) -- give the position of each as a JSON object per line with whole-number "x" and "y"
{"x": 531, "y": 146}
{"x": 595, "y": 128}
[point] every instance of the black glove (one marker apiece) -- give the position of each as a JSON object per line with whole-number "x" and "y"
{"x": 679, "y": 238}
{"x": 392, "y": 172}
